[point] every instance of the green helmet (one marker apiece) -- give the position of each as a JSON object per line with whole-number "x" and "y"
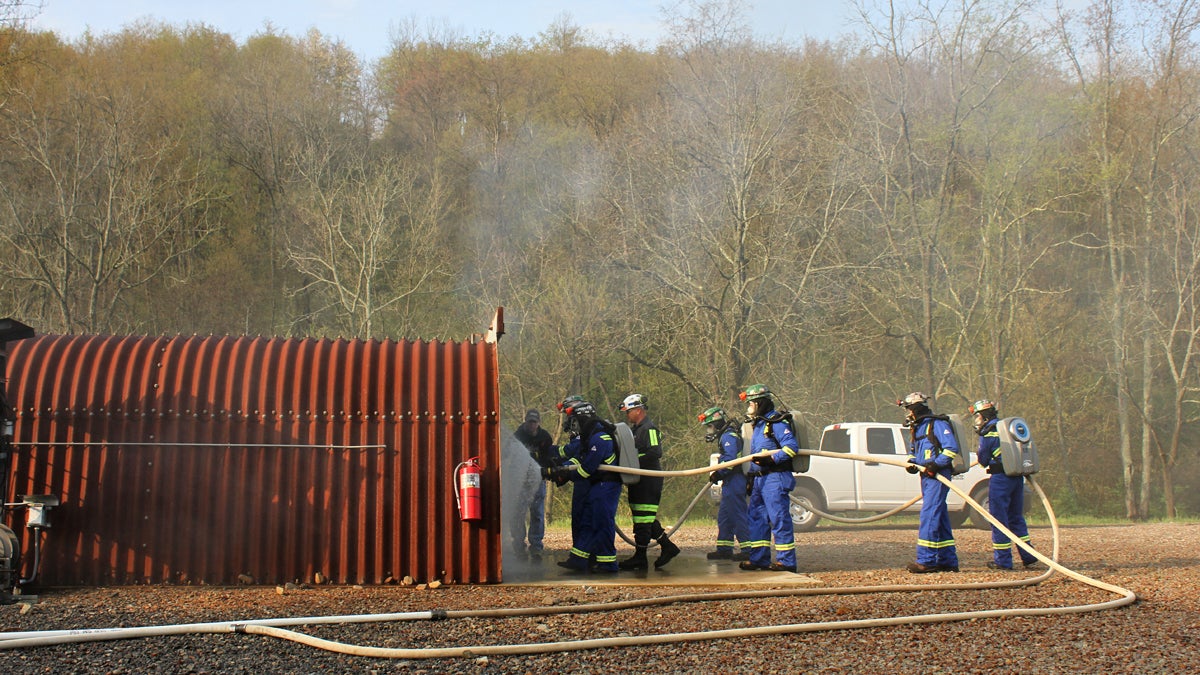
{"x": 755, "y": 392}
{"x": 566, "y": 402}
{"x": 714, "y": 415}
{"x": 716, "y": 420}
{"x": 982, "y": 407}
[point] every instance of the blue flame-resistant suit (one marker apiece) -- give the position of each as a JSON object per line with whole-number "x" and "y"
{"x": 1006, "y": 499}
{"x": 770, "y": 508}
{"x": 568, "y": 453}
{"x": 732, "y": 522}
{"x": 594, "y": 534}
{"x": 935, "y": 538}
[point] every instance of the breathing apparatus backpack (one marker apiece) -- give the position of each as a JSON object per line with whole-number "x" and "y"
{"x": 959, "y": 427}
{"x": 1018, "y": 455}
{"x": 627, "y": 454}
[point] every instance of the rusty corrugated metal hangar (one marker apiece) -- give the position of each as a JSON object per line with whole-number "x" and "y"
{"x": 218, "y": 459}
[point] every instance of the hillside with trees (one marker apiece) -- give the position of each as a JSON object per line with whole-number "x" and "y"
{"x": 976, "y": 200}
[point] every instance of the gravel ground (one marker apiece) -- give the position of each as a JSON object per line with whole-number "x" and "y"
{"x": 1160, "y": 633}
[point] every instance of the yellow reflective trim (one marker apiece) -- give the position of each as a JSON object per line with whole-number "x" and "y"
{"x": 935, "y": 544}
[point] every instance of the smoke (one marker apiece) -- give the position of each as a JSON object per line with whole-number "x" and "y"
{"x": 520, "y": 477}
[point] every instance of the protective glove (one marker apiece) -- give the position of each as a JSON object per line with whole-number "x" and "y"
{"x": 764, "y": 460}
{"x": 714, "y": 478}
{"x": 912, "y": 468}
{"x": 930, "y": 470}
{"x": 547, "y": 473}
{"x": 749, "y": 485}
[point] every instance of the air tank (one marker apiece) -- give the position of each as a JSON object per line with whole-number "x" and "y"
{"x": 1017, "y": 452}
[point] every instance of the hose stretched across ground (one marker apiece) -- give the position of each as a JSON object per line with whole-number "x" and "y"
{"x": 272, "y": 627}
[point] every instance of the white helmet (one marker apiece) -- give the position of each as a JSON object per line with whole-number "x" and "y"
{"x": 633, "y": 401}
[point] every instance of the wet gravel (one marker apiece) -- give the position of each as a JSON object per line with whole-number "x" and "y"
{"x": 1158, "y": 634}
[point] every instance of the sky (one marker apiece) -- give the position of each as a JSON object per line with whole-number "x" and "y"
{"x": 366, "y": 26}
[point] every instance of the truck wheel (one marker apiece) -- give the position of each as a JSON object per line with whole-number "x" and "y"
{"x": 804, "y": 520}
{"x": 980, "y": 494}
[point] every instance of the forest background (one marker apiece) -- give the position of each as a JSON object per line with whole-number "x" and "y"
{"x": 961, "y": 198}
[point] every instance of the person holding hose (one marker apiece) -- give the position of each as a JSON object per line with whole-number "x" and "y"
{"x": 645, "y": 495}
{"x": 591, "y": 446}
{"x": 931, "y": 452}
{"x": 1006, "y": 494}
{"x": 731, "y": 514}
{"x": 772, "y": 480}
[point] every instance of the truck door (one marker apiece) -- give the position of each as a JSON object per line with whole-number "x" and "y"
{"x": 837, "y": 476}
{"x": 883, "y": 486}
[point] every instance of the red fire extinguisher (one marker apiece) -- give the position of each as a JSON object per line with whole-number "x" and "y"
{"x": 468, "y": 492}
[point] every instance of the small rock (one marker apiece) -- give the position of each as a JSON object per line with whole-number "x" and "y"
{"x": 279, "y": 590}
{"x": 26, "y": 608}
{"x": 318, "y": 578}
{"x": 434, "y": 584}
{"x": 245, "y": 579}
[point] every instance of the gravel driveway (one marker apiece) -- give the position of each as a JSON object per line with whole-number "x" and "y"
{"x": 1160, "y": 633}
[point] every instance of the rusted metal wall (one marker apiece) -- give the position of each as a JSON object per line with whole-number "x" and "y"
{"x": 202, "y": 459}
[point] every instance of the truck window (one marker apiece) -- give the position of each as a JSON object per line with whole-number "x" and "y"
{"x": 880, "y": 441}
{"x": 835, "y": 440}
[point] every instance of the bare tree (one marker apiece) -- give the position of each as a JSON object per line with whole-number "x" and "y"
{"x": 366, "y": 237}
{"x": 722, "y": 211}
{"x": 105, "y": 203}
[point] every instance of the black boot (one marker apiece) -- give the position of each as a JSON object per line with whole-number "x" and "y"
{"x": 669, "y": 550}
{"x": 635, "y": 562}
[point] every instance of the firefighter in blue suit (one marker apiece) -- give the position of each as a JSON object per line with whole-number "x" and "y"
{"x": 731, "y": 514}
{"x": 592, "y": 446}
{"x": 771, "y": 482}
{"x": 1006, "y": 494}
{"x": 579, "y": 490}
{"x": 931, "y": 452}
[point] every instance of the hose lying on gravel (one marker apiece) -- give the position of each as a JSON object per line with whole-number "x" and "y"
{"x": 272, "y": 627}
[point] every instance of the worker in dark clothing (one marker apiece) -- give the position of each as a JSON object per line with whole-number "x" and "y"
{"x": 1006, "y": 494}
{"x": 731, "y": 514}
{"x": 931, "y": 453}
{"x": 591, "y": 447}
{"x": 543, "y": 451}
{"x": 645, "y": 495}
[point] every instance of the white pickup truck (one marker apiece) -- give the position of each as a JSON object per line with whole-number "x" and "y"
{"x": 845, "y": 485}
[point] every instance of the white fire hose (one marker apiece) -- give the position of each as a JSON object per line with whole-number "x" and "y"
{"x": 273, "y": 627}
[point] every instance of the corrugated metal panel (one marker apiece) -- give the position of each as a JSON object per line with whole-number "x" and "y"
{"x": 199, "y": 459}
